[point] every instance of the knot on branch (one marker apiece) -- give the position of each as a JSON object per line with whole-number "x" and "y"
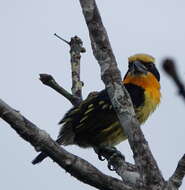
{"x": 76, "y": 45}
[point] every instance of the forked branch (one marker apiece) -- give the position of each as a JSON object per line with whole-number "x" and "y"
{"x": 76, "y": 48}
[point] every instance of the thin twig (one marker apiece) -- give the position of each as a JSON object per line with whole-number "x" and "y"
{"x": 119, "y": 97}
{"x": 77, "y": 167}
{"x": 59, "y": 37}
{"x": 169, "y": 67}
{"x": 50, "y": 81}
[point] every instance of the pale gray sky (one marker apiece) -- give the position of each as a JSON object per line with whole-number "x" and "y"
{"x": 28, "y": 48}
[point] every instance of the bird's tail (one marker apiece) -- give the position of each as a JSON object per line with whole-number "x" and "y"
{"x": 66, "y": 137}
{"x": 39, "y": 158}
{"x": 43, "y": 155}
{"x": 61, "y": 140}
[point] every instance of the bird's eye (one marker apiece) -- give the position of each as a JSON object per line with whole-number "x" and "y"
{"x": 150, "y": 65}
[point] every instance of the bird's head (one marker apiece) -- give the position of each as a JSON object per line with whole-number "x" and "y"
{"x": 142, "y": 65}
{"x": 142, "y": 72}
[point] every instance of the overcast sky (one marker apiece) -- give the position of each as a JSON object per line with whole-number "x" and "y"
{"x": 28, "y": 47}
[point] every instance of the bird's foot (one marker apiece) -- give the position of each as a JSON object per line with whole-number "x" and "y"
{"x": 109, "y": 153}
{"x": 115, "y": 153}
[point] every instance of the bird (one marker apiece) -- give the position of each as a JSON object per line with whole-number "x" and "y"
{"x": 94, "y": 122}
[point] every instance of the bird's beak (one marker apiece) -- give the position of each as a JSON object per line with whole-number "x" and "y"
{"x": 138, "y": 68}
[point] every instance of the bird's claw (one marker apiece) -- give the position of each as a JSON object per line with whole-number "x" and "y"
{"x": 111, "y": 153}
{"x": 112, "y": 157}
{"x": 100, "y": 157}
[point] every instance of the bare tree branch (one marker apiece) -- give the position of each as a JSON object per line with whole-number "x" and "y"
{"x": 179, "y": 173}
{"x": 76, "y": 47}
{"x": 77, "y": 167}
{"x": 50, "y": 81}
{"x": 119, "y": 96}
{"x": 170, "y": 68}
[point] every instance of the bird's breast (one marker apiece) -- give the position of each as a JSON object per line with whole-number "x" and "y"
{"x": 151, "y": 94}
{"x": 151, "y": 101}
